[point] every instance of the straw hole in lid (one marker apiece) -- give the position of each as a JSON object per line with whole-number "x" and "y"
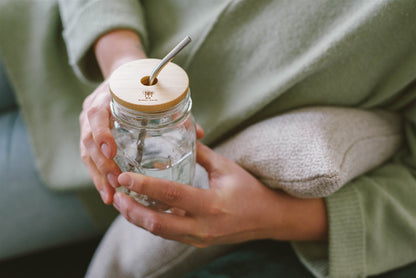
{"x": 145, "y": 81}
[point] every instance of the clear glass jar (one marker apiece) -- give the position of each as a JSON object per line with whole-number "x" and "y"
{"x": 153, "y": 125}
{"x": 160, "y": 144}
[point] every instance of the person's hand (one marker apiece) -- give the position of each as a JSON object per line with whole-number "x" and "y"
{"x": 97, "y": 145}
{"x": 236, "y": 208}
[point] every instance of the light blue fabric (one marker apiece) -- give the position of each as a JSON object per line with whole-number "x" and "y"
{"x": 31, "y": 216}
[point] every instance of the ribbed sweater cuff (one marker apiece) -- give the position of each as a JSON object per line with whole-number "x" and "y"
{"x": 346, "y": 234}
{"x": 344, "y": 255}
{"x": 90, "y": 23}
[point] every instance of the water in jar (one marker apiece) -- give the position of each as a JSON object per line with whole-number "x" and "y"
{"x": 166, "y": 154}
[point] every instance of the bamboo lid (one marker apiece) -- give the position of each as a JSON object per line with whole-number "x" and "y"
{"x": 128, "y": 85}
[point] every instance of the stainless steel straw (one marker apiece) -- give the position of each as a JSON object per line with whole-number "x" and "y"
{"x": 168, "y": 58}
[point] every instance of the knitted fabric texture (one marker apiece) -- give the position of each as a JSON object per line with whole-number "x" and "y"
{"x": 313, "y": 152}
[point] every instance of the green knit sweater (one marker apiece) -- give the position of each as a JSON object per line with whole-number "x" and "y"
{"x": 250, "y": 59}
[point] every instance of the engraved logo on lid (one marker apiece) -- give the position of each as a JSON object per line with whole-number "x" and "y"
{"x": 148, "y": 96}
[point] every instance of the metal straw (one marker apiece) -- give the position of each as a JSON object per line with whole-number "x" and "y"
{"x": 155, "y": 72}
{"x": 168, "y": 58}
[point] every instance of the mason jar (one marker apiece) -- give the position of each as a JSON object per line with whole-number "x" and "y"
{"x": 152, "y": 124}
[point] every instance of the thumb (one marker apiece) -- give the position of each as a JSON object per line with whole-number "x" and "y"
{"x": 207, "y": 158}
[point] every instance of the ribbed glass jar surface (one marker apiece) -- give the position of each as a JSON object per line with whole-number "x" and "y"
{"x": 157, "y": 144}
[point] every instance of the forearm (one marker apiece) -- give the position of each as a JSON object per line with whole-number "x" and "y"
{"x": 117, "y": 47}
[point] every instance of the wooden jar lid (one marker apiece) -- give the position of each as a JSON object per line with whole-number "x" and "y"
{"x": 127, "y": 85}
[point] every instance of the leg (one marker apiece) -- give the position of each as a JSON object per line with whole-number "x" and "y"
{"x": 128, "y": 251}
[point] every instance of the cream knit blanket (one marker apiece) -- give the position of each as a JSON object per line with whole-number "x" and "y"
{"x": 313, "y": 152}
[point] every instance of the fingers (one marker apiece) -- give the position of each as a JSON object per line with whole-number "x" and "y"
{"x": 100, "y": 182}
{"x": 207, "y": 158}
{"x": 171, "y": 226}
{"x": 199, "y": 132}
{"x": 174, "y": 194}
{"x": 155, "y": 222}
{"x": 98, "y": 115}
{"x": 107, "y": 167}
{"x": 97, "y": 144}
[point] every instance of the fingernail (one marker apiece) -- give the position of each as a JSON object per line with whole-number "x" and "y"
{"x": 103, "y": 195}
{"x": 117, "y": 201}
{"x": 106, "y": 150}
{"x": 113, "y": 180}
{"x": 126, "y": 180}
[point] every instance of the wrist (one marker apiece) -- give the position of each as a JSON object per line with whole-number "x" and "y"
{"x": 300, "y": 219}
{"x": 116, "y": 48}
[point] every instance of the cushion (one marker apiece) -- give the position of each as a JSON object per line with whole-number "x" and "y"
{"x": 313, "y": 152}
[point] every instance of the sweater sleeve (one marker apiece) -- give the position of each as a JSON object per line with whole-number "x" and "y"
{"x": 372, "y": 220}
{"x": 84, "y": 21}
